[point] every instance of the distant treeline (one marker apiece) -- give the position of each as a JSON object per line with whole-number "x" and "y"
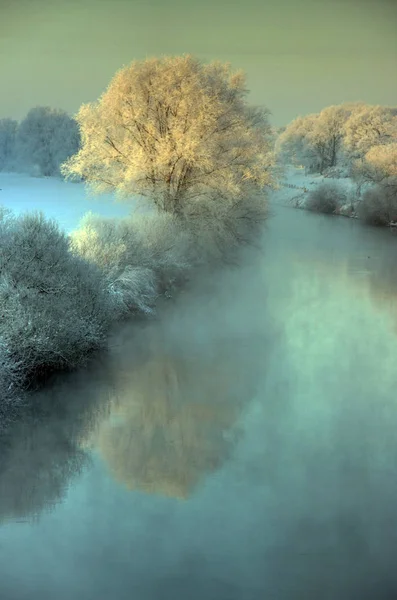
{"x": 353, "y": 139}
{"x": 40, "y": 143}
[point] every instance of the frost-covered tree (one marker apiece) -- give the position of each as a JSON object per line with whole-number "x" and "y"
{"x": 325, "y": 197}
{"x": 328, "y": 133}
{"x": 294, "y": 146}
{"x": 378, "y": 166}
{"x": 8, "y": 129}
{"x": 54, "y": 308}
{"x": 45, "y": 139}
{"x": 316, "y": 141}
{"x": 376, "y": 172}
{"x": 383, "y": 160}
{"x": 178, "y": 133}
{"x": 367, "y": 127}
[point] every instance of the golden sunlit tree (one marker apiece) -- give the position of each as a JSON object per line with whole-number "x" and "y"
{"x": 378, "y": 171}
{"x": 316, "y": 140}
{"x": 368, "y": 127}
{"x": 181, "y": 134}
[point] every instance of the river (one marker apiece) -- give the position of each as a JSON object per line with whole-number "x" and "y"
{"x": 241, "y": 446}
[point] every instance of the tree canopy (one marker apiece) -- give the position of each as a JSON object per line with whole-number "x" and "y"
{"x": 177, "y": 132}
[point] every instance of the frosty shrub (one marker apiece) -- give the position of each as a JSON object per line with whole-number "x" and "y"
{"x": 325, "y": 198}
{"x": 167, "y": 246}
{"x": 378, "y": 206}
{"x": 133, "y": 291}
{"x": 11, "y": 394}
{"x": 377, "y": 172}
{"x": 54, "y": 308}
{"x": 141, "y": 255}
{"x": 336, "y": 172}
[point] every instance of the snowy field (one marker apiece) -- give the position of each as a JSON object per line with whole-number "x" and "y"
{"x": 64, "y": 201}
{"x": 295, "y": 186}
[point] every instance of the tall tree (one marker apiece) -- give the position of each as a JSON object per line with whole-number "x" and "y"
{"x": 177, "y": 132}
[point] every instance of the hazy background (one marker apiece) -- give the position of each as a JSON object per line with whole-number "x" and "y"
{"x": 299, "y": 55}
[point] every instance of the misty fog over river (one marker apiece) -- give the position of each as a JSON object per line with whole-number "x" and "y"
{"x": 243, "y": 445}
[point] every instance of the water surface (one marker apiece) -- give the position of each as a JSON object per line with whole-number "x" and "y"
{"x": 241, "y": 446}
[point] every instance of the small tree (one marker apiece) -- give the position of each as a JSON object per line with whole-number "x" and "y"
{"x": 8, "y": 129}
{"x": 176, "y": 132}
{"x": 45, "y": 139}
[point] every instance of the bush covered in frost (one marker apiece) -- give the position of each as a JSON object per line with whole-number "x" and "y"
{"x": 54, "y": 308}
{"x": 141, "y": 255}
{"x": 11, "y": 394}
{"x": 325, "y": 198}
{"x": 378, "y": 205}
{"x": 339, "y": 172}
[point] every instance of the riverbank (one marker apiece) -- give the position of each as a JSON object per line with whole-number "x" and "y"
{"x": 295, "y": 188}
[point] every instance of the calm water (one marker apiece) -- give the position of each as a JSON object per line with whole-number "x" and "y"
{"x": 241, "y": 447}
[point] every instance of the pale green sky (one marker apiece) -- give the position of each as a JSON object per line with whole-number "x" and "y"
{"x": 299, "y": 55}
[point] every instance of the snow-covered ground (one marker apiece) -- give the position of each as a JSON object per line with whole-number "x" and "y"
{"x": 68, "y": 202}
{"x": 64, "y": 201}
{"x": 295, "y": 186}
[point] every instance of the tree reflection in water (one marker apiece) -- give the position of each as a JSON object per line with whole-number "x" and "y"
{"x": 161, "y": 407}
{"x": 161, "y": 418}
{"x": 41, "y": 453}
{"x": 175, "y": 415}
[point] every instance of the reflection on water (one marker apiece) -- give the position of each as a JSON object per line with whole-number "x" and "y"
{"x": 41, "y": 454}
{"x": 173, "y": 421}
{"x": 160, "y": 417}
{"x": 265, "y": 398}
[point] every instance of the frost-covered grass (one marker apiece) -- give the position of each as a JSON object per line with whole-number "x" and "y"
{"x": 297, "y": 185}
